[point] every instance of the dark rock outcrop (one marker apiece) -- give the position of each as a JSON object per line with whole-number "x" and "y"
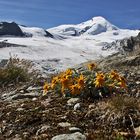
{"x": 48, "y": 34}
{"x": 10, "y": 29}
{"x": 132, "y": 45}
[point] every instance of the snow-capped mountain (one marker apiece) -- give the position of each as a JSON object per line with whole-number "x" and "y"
{"x": 94, "y": 26}
{"x": 13, "y": 29}
{"x": 64, "y": 46}
{"x": 35, "y": 32}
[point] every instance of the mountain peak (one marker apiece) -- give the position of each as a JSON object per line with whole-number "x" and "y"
{"x": 94, "y": 20}
{"x": 98, "y": 25}
{"x": 94, "y": 26}
{"x": 98, "y": 18}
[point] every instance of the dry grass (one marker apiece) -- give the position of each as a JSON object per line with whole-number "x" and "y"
{"x": 121, "y": 103}
{"x": 15, "y": 72}
{"x": 117, "y": 120}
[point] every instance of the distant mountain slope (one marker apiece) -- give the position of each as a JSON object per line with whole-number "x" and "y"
{"x": 128, "y": 55}
{"x": 125, "y": 46}
{"x": 13, "y": 29}
{"x": 10, "y": 29}
{"x": 35, "y": 31}
{"x": 94, "y": 26}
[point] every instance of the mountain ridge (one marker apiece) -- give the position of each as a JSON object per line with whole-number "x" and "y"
{"x": 14, "y": 29}
{"x": 61, "y": 51}
{"x": 93, "y": 26}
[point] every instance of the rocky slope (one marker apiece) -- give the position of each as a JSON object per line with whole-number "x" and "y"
{"x": 128, "y": 46}
{"x": 25, "y": 114}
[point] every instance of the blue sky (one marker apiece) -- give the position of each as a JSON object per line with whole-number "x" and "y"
{"x": 50, "y": 13}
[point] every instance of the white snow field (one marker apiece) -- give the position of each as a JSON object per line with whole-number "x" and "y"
{"x": 82, "y": 42}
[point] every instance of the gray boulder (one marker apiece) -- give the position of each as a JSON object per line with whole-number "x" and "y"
{"x": 74, "y": 136}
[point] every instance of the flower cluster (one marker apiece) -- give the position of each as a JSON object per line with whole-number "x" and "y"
{"x": 74, "y": 83}
{"x": 68, "y": 82}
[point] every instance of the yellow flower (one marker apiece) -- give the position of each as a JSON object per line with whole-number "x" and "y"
{"x": 100, "y": 79}
{"x": 114, "y": 75}
{"x": 55, "y": 80}
{"x": 52, "y": 85}
{"x": 122, "y": 82}
{"x": 80, "y": 81}
{"x": 68, "y": 77}
{"x": 46, "y": 88}
{"x": 91, "y": 66}
{"x": 75, "y": 89}
{"x": 69, "y": 72}
{"x": 65, "y": 82}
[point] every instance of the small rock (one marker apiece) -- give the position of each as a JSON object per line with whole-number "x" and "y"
{"x": 46, "y": 102}
{"x": 22, "y": 91}
{"x": 7, "y": 95}
{"x": 17, "y": 137}
{"x": 74, "y": 129}
{"x": 10, "y": 132}
{"x": 44, "y": 136}
{"x": 43, "y": 129}
{"x": 20, "y": 109}
{"x": 23, "y": 96}
{"x": 24, "y": 87}
{"x": 137, "y": 131}
{"x": 132, "y": 74}
{"x": 26, "y": 135}
{"x": 126, "y": 134}
{"x": 34, "y": 99}
{"x": 4, "y": 121}
{"x": 137, "y": 82}
{"x": 77, "y": 106}
{"x": 64, "y": 124}
{"x": 133, "y": 91}
{"x": 1, "y": 131}
{"x": 73, "y": 101}
{"x": 74, "y": 136}
{"x": 138, "y": 94}
{"x": 63, "y": 117}
{"x": 33, "y": 88}
{"x": 91, "y": 106}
